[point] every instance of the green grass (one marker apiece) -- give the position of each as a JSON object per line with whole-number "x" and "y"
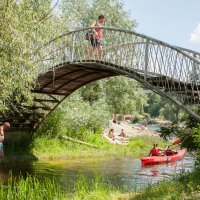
{"x": 98, "y": 188}
{"x": 45, "y": 147}
{"x": 141, "y": 145}
{"x": 31, "y": 188}
{"x": 183, "y": 186}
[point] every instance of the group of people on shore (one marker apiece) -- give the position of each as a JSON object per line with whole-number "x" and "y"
{"x": 112, "y": 135}
{"x": 156, "y": 151}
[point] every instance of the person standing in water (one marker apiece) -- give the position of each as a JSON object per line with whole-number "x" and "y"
{"x": 5, "y": 126}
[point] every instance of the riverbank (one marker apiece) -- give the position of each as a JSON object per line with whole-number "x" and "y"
{"x": 46, "y": 147}
{"x": 131, "y": 130}
{"x": 185, "y": 186}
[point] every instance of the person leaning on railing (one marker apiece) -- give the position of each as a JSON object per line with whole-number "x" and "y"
{"x": 5, "y": 126}
{"x": 97, "y": 38}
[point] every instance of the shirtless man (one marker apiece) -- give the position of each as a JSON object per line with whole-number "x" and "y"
{"x": 5, "y": 126}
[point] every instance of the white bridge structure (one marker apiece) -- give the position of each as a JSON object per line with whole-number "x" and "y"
{"x": 170, "y": 71}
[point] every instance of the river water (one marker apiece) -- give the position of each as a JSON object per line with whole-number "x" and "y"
{"x": 125, "y": 173}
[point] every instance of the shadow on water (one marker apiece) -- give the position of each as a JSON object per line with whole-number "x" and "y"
{"x": 125, "y": 173}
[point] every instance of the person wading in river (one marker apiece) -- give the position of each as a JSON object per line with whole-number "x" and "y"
{"x": 5, "y": 126}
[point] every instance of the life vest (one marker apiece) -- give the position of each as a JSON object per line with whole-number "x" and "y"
{"x": 169, "y": 152}
{"x": 155, "y": 152}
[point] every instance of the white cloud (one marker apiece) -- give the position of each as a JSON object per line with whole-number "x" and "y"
{"x": 195, "y": 35}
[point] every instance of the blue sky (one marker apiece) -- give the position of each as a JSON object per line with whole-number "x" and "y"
{"x": 176, "y": 22}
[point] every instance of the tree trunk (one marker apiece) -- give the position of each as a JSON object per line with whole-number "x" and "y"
{"x": 77, "y": 141}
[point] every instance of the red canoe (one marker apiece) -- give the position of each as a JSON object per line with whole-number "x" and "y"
{"x": 161, "y": 159}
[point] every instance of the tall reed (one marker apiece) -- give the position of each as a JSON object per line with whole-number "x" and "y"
{"x": 30, "y": 188}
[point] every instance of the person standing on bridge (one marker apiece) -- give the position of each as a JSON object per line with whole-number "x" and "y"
{"x": 5, "y": 126}
{"x": 96, "y": 40}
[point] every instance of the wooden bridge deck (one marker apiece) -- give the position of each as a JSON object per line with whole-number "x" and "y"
{"x": 55, "y": 85}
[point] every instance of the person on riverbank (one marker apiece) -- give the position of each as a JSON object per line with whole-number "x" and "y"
{"x": 4, "y": 127}
{"x": 122, "y": 134}
{"x": 97, "y": 38}
{"x": 114, "y": 120}
{"x": 155, "y": 151}
{"x": 111, "y": 134}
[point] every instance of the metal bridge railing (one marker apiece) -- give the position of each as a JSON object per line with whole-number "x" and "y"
{"x": 171, "y": 71}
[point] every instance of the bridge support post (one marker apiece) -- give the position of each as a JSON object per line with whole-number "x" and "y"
{"x": 73, "y": 47}
{"x": 146, "y": 60}
{"x": 194, "y": 71}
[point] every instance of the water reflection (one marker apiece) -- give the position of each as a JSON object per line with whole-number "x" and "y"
{"x": 153, "y": 127}
{"x": 125, "y": 173}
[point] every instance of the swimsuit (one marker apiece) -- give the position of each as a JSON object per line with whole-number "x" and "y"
{"x": 1, "y": 145}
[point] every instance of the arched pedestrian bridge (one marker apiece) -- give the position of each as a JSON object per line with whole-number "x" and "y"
{"x": 170, "y": 71}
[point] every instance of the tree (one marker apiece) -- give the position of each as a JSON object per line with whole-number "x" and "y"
{"x": 86, "y": 11}
{"x": 24, "y": 25}
{"x": 155, "y": 103}
{"x": 116, "y": 17}
{"x": 124, "y": 95}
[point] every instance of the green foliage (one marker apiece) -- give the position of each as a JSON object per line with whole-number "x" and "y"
{"x": 160, "y": 107}
{"x": 91, "y": 107}
{"x": 155, "y": 103}
{"x": 137, "y": 118}
{"x": 52, "y": 126}
{"x": 98, "y": 188}
{"x": 30, "y": 188}
{"x": 136, "y": 143}
{"x": 79, "y": 115}
{"x": 114, "y": 13}
{"x": 92, "y": 92}
{"x": 170, "y": 112}
{"x": 20, "y": 33}
{"x": 142, "y": 144}
{"x": 183, "y": 186}
{"x": 53, "y": 148}
{"x": 190, "y": 138}
{"x": 124, "y": 95}
{"x": 48, "y": 147}
{"x": 191, "y": 122}
{"x": 75, "y": 117}
{"x": 97, "y": 139}
{"x": 167, "y": 132}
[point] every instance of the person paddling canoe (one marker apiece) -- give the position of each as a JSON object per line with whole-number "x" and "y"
{"x": 155, "y": 151}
